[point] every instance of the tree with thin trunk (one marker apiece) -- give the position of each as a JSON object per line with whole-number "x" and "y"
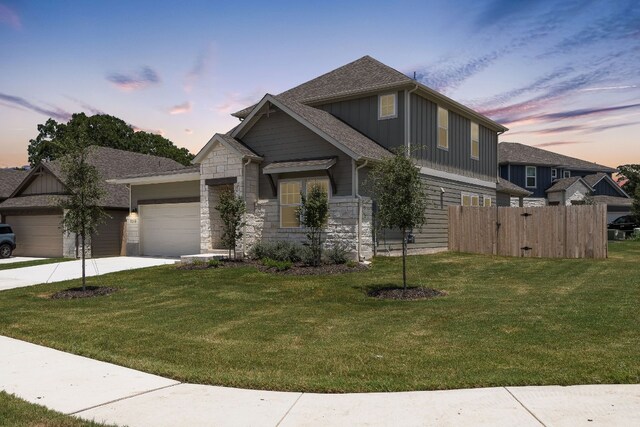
{"x": 635, "y": 207}
{"x": 314, "y": 214}
{"x": 232, "y": 209}
{"x": 400, "y": 196}
{"x": 83, "y": 185}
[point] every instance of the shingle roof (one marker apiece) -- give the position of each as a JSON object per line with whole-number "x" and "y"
{"x": 238, "y": 145}
{"x": 594, "y": 178}
{"x": 31, "y": 201}
{"x": 515, "y": 153}
{"x": 337, "y": 129}
{"x": 564, "y": 183}
{"x": 364, "y": 74}
{"x": 299, "y": 165}
{"x": 9, "y": 181}
{"x": 182, "y": 170}
{"x": 505, "y": 186}
{"x": 612, "y": 200}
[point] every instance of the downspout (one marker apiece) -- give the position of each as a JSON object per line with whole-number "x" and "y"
{"x": 359, "y": 197}
{"x": 244, "y": 197}
{"x": 497, "y": 180}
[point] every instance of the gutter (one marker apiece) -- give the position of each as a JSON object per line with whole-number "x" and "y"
{"x": 359, "y": 197}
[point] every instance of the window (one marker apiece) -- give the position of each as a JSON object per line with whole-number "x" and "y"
{"x": 290, "y": 198}
{"x": 387, "y": 106}
{"x": 487, "y": 201}
{"x": 443, "y": 128}
{"x": 531, "y": 176}
{"x": 554, "y": 173}
{"x": 566, "y": 174}
{"x": 475, "y": 141}
{"x": 469, "y": 199}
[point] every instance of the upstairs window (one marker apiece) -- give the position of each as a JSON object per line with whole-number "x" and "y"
{"x": 387, "y": 106}
{"x": 566, "y": 174}
{"x": 475, "y": 141}
{"x": 554, "y": 173}
{"x": 443, "y": 128}
{"x": 531, "y": 176}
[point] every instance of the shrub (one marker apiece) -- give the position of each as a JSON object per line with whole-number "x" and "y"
{"x": 314, "y": 214}
{"x": 214, "y": 263}
{"x": 276, "y": 265}
{"x": 337, "y": 254}
{"x": 280, "y": 250}
{"x": 352, "y": 264}
{"x": 307, "y": 256}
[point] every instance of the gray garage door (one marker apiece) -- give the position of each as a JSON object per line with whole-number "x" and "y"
{"x": 170, "y": 229}
{"x": 37, "y": 235}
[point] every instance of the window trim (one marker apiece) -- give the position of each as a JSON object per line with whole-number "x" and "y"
{"x": 526, "y": 177}
{"x": 471, "y": 196}
{"x": 395, "y": 106}
{"x": 554, "y": 173}
{"x": 441, "y": 147}
{"x": 484, "y": 201}
{"x": 472, "y": 141}
{"x": 303, "y": 189}
{"x": 566, "y": 174}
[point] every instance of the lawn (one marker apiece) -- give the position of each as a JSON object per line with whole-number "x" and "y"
{"x": 16, "y": 412}
{"x": 505, "y": 321}
{"x": 20, "y": 264}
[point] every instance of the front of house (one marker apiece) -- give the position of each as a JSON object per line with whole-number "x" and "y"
{"x": 327, "y": 131}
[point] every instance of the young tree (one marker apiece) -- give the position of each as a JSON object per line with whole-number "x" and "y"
{"x": 232, "y": 209}
{"x": 400, "y": 197}
{"x": 635, "y": 207}
{"x": 314, "y": 214}
{"x": 83, "y": 184}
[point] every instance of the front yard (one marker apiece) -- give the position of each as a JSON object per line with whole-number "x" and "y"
{"x": 505, "y": 321}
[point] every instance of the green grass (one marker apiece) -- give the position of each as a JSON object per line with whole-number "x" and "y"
{"x": 16, "y": 412}
{"x": 20, "y": 264}
{"x": 505, "y": 321}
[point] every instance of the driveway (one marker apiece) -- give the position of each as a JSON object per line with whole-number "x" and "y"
{"x": 58, "y": 272}
{"x": 18, "y": 259}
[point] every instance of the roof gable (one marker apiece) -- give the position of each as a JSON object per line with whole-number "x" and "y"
{"x": 516, "y": 153}
{"x": 228, "y": 141}
{"x": 594, "y": 179}
{"x": 564, "y": 184}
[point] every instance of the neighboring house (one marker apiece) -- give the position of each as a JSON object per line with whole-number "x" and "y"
{"x": 555, "y": 179}
{"x": 33, "y": 213}
{"x": 327, "y": 131}
{"x": 9, "y": 181}
{"x": 508, "y": 191}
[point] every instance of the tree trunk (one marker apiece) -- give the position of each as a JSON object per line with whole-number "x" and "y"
{"x": 404, "y": 259}
{"x": 84, "y": 278}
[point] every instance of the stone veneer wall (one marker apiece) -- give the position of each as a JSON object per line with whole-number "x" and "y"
{"x": 529, "y": 202}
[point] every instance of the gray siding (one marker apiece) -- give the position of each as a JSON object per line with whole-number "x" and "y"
{"x": 170, "y": 190}
{"x": 362, "y": 115}
{"x": 278, "y": 137}
{"x": 604, "y": 188}
{"x": 44, "y": 184}
{"x": 107, "y": 241}
{"x": 457, "y": 159}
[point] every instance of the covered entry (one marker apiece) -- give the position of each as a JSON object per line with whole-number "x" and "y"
{"x": 169, "y": 229}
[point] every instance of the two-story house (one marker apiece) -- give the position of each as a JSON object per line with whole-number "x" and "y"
{"x": 327, "y": 131}
{"x": 556, "y": 179}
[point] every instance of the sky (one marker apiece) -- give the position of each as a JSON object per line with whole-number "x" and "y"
{"x": 561, "y": 75}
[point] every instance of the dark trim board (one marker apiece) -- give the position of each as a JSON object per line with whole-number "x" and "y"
{"x": 166, "y": 201}
{"x": 221, "y": 181}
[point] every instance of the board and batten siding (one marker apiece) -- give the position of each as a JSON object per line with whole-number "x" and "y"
{"x": 44, "y": 183}
{"x": 362, "y": 115}
{"x": 278, "y": 137}
{"x": 604, "y": 188}
{"x": 457, "y": 159}
{"x": 517, "y": 175}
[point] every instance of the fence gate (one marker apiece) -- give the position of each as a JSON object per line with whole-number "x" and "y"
{"x": 548, "y": 232}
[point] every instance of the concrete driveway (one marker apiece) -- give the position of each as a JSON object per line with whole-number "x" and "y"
{"x": 58, "y": 272}
{"x": 18, "y": 259}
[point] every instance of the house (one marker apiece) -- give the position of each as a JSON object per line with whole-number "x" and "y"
{"x": 327, "y": 131}
{"x": 555, "y": 179}
{"x": 33, "y": 213}
{"x": 9, "y": 181}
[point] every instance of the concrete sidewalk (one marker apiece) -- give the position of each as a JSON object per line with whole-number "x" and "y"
{"x": 58, "y": 272}
{"x": 108, "y": 393}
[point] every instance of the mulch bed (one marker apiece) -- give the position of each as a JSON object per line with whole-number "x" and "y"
{"x": 411, "y": 294}
{"x": 295, "y": 270}
{"x": 89, "y": 292}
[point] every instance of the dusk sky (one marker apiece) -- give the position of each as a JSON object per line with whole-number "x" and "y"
{"x": 564, "y": 76}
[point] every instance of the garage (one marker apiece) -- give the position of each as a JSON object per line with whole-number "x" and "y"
{"x": 169, "y": 229}
{"x": 37, "y": 235}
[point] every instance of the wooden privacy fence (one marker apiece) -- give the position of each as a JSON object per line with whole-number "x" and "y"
{"x": 547, "y": 232}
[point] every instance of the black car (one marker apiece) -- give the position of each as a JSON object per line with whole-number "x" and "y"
{"x": 625, "y": 223}
{"x": 7, "y": 241}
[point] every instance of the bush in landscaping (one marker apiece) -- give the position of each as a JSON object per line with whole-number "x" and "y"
{"x": 337, "y": 254}
{"x": 214, "y": 263}
{"x": 307, "y": 256}
{"x": 352, "y": 264}
{"x": 277, "y": 265}
{"x": 279, "y": 250}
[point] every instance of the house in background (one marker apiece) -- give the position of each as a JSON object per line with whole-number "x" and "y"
{"x": 327, "y": 131}
{"x": 33, "y": 213}
{"x": 9, "y": 181}
{"x": 555, "y": 179}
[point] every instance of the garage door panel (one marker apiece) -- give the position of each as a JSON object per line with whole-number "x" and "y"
{"x": 37, "y": 235}
{"x": 170, "y": 229}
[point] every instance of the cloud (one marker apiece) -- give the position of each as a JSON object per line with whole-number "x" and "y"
{"x": 451, "y": 77}
{"x": 9, "y": 17}
{"x": 188, "y": 131}
{"x": 86, "y": 107}
{"x": 141, "y": 79}
{"x": 199, "y": 69}
{"x": 557, "y": 143}
{"x": 160, "y": 132}
{"x": 55, "y": 112}
{"x": 181, "y": 108}
{"x": 234, "y": 101}
{"x": 608, "y": 88}
{"x": 586, "y": 112}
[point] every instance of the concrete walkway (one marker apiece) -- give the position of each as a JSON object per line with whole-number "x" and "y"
{"x": 108, "y": 393}
{"x": 15, "y": 259}
{"x": 57, "y": 272}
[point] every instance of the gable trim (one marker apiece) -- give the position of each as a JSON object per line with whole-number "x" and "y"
{"x": 31, "y": 176}
{"x": 613, "y": 184}
{"x": 209, "y": 146}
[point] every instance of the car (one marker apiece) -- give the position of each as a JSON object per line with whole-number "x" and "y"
{"x": 7, "y": 241}
{"x": 625, "y": 223}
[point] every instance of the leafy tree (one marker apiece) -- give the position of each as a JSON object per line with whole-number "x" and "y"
{"x": 635, "y": 207}
{"x": 232, "y": 209}
{"x": 83, "y": 184}
{"x": 105, "y": 131}
{"x": 314, "y": 214}
{"x": 400, "y": 197}
{"x": 631, "y": 173}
